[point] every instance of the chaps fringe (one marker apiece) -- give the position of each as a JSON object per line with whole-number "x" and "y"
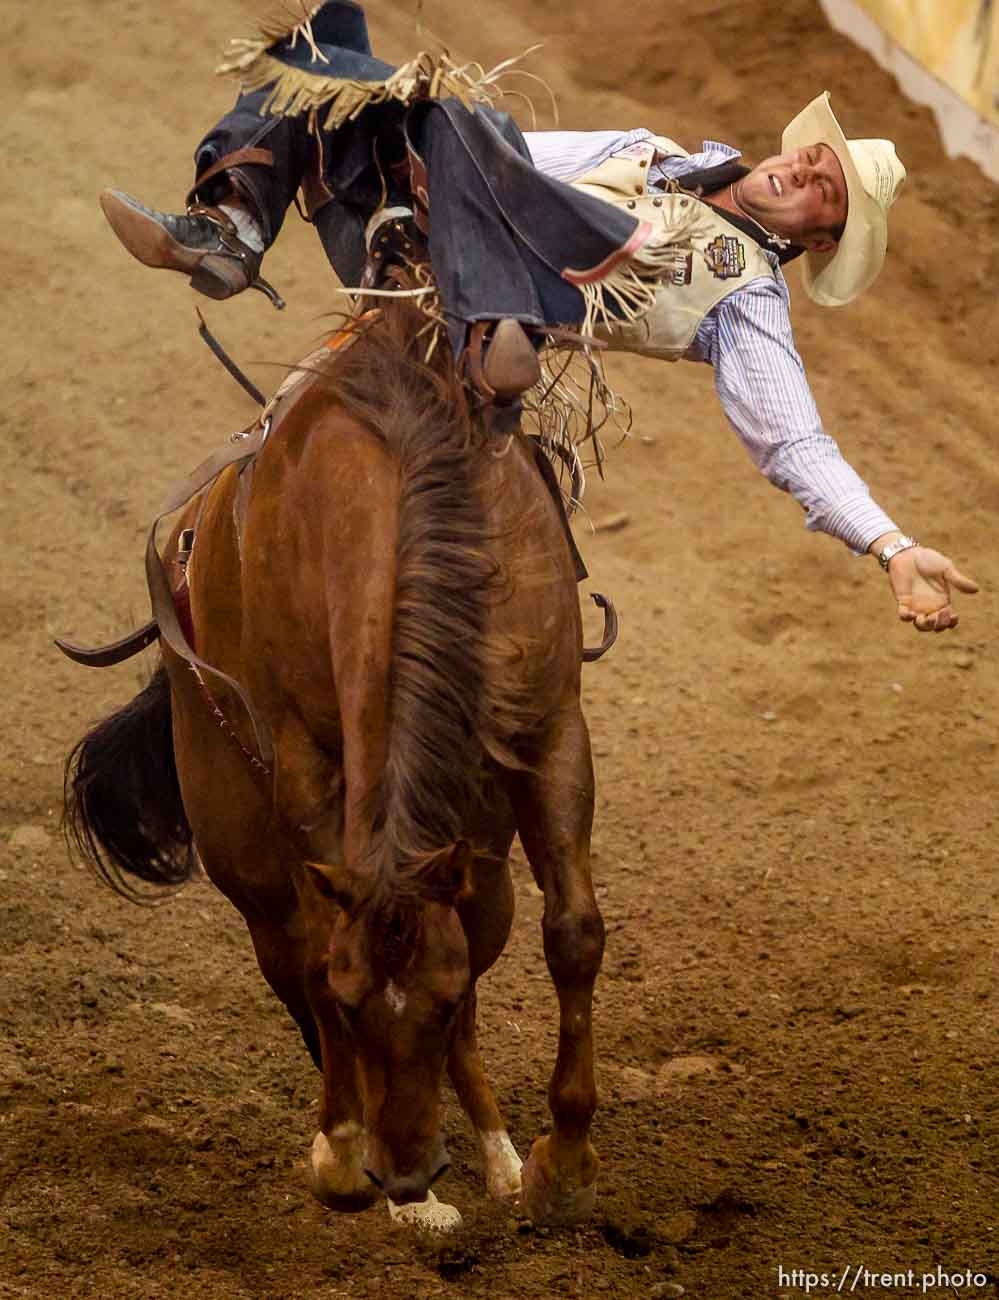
{"x": 430, "y": 74}
{"x": 628, "y": 292}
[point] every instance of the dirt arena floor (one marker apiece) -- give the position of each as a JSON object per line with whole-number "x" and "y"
{"x": 796, "y": 827}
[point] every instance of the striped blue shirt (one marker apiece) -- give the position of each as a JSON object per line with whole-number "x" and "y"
{"x": 748, "y": 341}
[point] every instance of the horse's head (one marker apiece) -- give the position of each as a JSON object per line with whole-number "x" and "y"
{"x": 398, "y": 972}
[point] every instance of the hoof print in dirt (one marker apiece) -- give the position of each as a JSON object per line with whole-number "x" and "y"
{"x": 632, "y": 1240}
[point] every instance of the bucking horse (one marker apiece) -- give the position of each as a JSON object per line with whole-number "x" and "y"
{"x": 371, "y": 650}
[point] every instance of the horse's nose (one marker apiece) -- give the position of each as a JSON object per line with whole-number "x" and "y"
{"x": 405, "y": 1188}
{"x": 410, "y": 1187}
{"x": 405, "y": 1175}
{"x": 440, "y": 1172}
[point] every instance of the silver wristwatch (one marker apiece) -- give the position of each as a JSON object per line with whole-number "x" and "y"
{"x": 893, "y": 548}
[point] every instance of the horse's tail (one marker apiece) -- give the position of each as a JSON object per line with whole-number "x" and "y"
{"x": 122, "y": 805}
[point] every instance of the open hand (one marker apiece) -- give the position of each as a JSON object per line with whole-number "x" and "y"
{"x": 922, "y": 579}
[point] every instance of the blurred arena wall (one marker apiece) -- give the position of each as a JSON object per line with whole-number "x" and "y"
{"x": 944, "y": 54}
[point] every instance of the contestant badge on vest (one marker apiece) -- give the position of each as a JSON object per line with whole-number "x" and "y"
{"x": 726, "y": 257}
{"x": 679, "y": 268}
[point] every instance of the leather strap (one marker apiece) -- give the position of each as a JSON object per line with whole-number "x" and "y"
{"x": 116, "y": 652}
{"x": 315, "y": 189}
{"x": 165, "y": 624}
{"x": 315, "y": 192}
{"x": 239, "y": 158}
{"x": 591, "y": 654}
{"x": 473, "y": 360}
{"x": 241, "y": 449}
{"x": 220, "y": 353}
{"x": 160, "y": 593}
{"x": 610, "y": 628}
{"x": 546, "y": 471}
{"x": 420, "y": 188}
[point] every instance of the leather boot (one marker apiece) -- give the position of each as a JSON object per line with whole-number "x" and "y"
{"x": 203, "y": 244}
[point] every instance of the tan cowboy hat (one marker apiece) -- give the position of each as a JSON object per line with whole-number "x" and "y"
{"x": 874, "y": 177}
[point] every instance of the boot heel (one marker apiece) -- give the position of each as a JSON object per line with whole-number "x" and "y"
{"x": 510, "y": 365}
{"x": 219, "y": 277}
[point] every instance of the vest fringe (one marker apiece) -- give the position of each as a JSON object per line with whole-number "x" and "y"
{"x": 629, "y": 292}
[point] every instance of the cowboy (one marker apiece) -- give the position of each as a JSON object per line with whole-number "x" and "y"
{"x": 664, "y": 253}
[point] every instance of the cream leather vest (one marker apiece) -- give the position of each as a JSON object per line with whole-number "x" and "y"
{"x": 717, "y": 258}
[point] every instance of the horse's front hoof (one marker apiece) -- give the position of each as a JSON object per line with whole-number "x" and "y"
{"x": 503, "y": 1166}
{"x": 547, "y": 1199}
{"x": 430, "y": 1215}
{"x": 336, "y": 1174}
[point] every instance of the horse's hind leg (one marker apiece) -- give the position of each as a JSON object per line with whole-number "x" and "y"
{"x": 554, "y": 807}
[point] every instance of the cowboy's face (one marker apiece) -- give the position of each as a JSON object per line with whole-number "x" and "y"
{"x": 800, "y": 195}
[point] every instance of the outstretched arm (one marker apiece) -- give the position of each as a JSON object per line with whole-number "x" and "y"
{"x": 763, "y": 389}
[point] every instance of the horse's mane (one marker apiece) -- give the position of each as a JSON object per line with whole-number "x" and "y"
{"x": 448, "y": 704}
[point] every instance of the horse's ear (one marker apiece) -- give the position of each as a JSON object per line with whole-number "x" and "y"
{"x": 455, "y": 872}
{"x": 338, "y": 883}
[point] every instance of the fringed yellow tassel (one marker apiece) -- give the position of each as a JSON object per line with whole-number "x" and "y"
{"x": 282, "y": 25}
{"x": 293, "y": 91}
{"x": 431, "y": 74}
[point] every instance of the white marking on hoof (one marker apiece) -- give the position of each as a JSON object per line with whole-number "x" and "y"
{"x": 431, "y": 1215}
{"x": 337, "y": 1163}
{"x": 395, "y": 998}
{"x": 344, "y": 1132}
{"x": 503, "y": 1165}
